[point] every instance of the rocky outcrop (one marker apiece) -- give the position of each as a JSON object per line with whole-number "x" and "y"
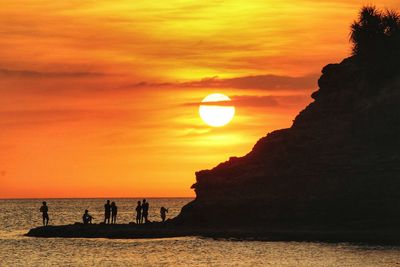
{"x": 167, "y": 230}
{"x": 337, "y": 165}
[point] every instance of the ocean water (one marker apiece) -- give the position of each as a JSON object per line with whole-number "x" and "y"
{"x": 18, "y": 216}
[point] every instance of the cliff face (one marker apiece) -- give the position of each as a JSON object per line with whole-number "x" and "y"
{"x": 339, "y": 163}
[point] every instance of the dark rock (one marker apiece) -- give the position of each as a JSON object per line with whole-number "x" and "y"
{"x": 158, "y": 230}
{"x": 338, "y": 165}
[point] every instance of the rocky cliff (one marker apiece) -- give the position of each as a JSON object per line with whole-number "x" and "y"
{"x": 338, "y": 164}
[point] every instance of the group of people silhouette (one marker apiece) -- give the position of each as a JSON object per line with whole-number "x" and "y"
{"x": 142, "y": 212}
{"x": 110, "y": 210}
{"x": 110, "y": 213}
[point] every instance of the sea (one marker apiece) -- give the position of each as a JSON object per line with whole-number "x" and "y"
{"x": 18, "y": 216}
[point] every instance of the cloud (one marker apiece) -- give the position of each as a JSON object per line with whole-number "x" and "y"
{"x": 258, "y": 101}
{"x": 47, "y": 116}
{"x": 261, "y": 82}
{"x": 38, "y": 74}
{"x": 257, "y": 82}
{"x": 255, "y": 101}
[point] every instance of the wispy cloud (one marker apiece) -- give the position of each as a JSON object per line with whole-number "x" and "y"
{"x": 257, "y": 82}
{"x": 261, "y": 101}
{"x": 57, "y": 116}
{"x": 39, "y": 74}
{"x": 268, "y": 81}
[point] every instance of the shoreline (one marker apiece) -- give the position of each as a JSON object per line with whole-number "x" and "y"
{"x": 159, "y": 230}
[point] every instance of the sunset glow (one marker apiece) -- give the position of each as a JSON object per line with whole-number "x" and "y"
{"x": 101, "y": 98}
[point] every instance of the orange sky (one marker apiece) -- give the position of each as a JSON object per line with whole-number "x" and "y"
{"x": 99, "y": 98}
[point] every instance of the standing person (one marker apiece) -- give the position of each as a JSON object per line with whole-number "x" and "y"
{"x": 138, "y": 212}
{"x": 143, "y": 208}
{"x": 44, "y": 209}
{"x": 145, "y": 211}
{"x": 107, "y": 211}
{"x": 114, "y": 211}
{"x": 163, "y": 213}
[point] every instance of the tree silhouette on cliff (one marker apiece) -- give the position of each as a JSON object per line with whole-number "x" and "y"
{"x": 375, "y": 36}
{"x": 375, "y": 32}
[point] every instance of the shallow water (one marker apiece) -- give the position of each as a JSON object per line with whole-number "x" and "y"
{"x": 18, "y": 216}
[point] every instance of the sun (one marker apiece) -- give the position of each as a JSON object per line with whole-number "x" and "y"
{"x": 214, "y": 110}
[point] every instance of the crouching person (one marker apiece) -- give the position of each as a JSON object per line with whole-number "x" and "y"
{"x": 87, "y": 218}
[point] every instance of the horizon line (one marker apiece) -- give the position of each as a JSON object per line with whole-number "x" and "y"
{"x": 38, "y": 198}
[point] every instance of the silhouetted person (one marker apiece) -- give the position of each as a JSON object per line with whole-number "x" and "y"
{"x": 44, "y": 210}
{"x": 107, "y": 212}
{"x": 138, "y": 212}
{"x": 87, "y": 218}
{"x": 163, "y": 213}
{"x": 145, "y": 211}
{"x": 143, "y": 204}
{"x": 114, "y": 211}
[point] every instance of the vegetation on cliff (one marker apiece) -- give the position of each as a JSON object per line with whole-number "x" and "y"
{"x": 375, "y": 32}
